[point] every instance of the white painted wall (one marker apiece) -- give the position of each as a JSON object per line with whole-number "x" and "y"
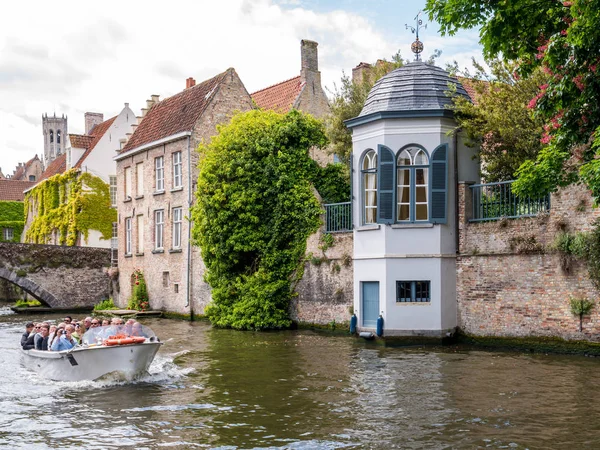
{"x": 409, "y": 252}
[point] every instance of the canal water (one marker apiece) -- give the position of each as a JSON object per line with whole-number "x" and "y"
{"x": 224, "y": 389}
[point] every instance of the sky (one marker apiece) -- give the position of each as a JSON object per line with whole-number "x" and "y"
{"x": 70, "y": 57}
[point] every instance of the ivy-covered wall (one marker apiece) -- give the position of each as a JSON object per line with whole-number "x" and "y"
{"x": 71, "y": 203}
{"x": 11, "y": 216}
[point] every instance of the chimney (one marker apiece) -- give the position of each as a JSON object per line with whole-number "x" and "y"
{"x": 155, "y": 98}
{"x": 309, "y": 73}
{"x": 190, "y": 82}
{"x": 360, "y": 72}
{"x": 91, "y": 120}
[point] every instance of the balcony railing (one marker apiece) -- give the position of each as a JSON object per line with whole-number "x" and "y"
{"x": 494, "y": 201}
{"x": 338, "y": 217}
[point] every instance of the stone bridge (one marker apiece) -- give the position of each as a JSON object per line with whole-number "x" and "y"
{"x": 58, "y": 276}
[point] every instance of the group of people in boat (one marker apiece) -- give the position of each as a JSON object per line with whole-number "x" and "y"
{"x": 70, "y": 333}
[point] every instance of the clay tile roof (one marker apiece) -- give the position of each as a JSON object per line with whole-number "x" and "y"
{"x": 80, "y": 140}
{"x": 175, "y": 114}
{"x": 279, "y": 97}
{"x": 59, "y": 165}
{"x": 94, "y": 137}
{"x": 12, "y": 190}
{"x": 470, "y": 85}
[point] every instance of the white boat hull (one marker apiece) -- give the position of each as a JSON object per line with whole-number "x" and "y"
{"x": 91, "y": 363}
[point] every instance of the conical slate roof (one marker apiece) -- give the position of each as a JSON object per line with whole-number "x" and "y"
{"x": 417, "y": 87}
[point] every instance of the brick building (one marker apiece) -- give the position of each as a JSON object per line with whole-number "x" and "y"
{"x": 29, "y": 171}
{"x": 157, "y": 170}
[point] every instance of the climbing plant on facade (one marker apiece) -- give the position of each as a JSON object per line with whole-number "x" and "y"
{"x": 12, "y": 217}
{"x": 255, "y": 210}
{"x": 71, "y": 204}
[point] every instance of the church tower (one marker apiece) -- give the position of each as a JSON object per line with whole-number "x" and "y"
{"x": 55, "y": 135}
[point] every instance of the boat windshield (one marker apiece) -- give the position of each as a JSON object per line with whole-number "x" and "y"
{"x": 96, "y": 335}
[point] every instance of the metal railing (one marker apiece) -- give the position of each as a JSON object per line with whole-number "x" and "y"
{"x": 338, "y": 217}
{"x": 494, "y": 201}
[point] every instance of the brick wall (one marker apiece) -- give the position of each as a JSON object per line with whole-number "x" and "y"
{"x": 510, "y": 283}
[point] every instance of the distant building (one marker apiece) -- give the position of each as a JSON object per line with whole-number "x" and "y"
{"x": 55, "y": 132}
{"x": 157, "y": 170}
{"x": 29, "y": 171}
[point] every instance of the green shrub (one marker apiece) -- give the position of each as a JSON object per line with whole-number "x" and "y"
{"x": 139, "y": 296}
{"x": 27, "y": 303}
{"x": 105, "y": 305}
{"x": 581, "y": 307}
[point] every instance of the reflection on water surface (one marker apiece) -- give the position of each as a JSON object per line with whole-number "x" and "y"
{"x": 303, "y": 390}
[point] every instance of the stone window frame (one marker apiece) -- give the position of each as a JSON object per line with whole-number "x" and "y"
{"x": 177, "y": 226}
{"x": 177, "y": 170}
{"x": 159, "y": 229}
{"x": 415, "y": 288}
{"x": 159, "y": 174}
{"x": 128, "y": 241}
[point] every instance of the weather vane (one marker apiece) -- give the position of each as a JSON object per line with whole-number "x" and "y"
{"x": 417, "y": 46}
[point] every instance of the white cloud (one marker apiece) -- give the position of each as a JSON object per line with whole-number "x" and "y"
{"x": 85, "y": 57}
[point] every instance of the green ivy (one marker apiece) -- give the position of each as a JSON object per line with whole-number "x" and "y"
{"x": 332, "y": 182}
{"x": 255, "y": 210}
{"x": 139, "y": 296}
{"x": 12, "y": 216}
{"x": 71, "y": 203}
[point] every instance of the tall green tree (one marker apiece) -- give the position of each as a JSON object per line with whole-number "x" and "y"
{"x": 563, "y": 39}
{"x": 255, "y": 210}
{"x": 499, "y": 122}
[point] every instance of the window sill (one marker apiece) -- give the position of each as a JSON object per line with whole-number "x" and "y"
{"x": 158, "y": 250}
{"x": 158, "y": 193}
{"x": 374, "y": 226}
{"x": 139, "y": 254}
{"x": 177, "y": 189}
{"x": 413, "y": 303}
{"x": 139, "y": 197}
{"x": 412, "y": 225}
{"x": 175, "y": 250}
{"x": 127, "y": 255}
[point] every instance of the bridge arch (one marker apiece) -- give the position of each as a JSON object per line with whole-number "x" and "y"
{"x": 32, "y": 288}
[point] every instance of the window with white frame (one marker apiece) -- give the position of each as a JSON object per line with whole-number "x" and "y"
{"x": 177, "y": 222}
{"x": 412, "y": 195}
{"x": 159, "y": 229}
{"x": 139, "y": 179}
{"x": 159, "y": 173}
{"x": 8, "y": 234}
{"x": 369, "y": 185}
{"x": 127, "y": 183}
{"x": 413, "y": 291}
{"x": 140, "y": 233}
{"x": 177, "y": 173}
{"x": 128, "y": 236}
{"x": 112, "y": 189}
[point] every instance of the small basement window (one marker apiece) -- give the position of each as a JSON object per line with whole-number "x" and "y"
{"x": 413, "y": 291}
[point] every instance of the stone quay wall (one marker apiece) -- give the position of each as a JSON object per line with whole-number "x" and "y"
{"x": 510, "y": 283}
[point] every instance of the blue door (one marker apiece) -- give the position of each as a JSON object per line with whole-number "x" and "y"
{"x": 370, "y": 303}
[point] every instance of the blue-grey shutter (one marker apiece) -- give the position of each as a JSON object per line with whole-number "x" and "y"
{"x": 439, "y": 184}
{"x": 386, "y": 172}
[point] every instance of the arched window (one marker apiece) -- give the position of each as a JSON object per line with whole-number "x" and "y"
{"x": 51, "y": 136}
{"x": 369, "y": 187}
{"x": 412, "y": 185}
{"x": 58, "y": 136}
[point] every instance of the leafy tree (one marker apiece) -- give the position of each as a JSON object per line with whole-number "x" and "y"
{"x": 499, "y": 123}
{"x": 255, "y": 209}
{"x": 563, "y": 39}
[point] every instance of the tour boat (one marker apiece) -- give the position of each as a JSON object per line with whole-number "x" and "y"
{"x": 118, "y": 355}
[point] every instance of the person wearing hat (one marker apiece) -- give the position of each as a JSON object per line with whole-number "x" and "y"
{"x": 25, "y": 336}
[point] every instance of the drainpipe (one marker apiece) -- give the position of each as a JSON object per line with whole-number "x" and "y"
{"x": 456, "y": 224}
{"x": 189, "y": 246}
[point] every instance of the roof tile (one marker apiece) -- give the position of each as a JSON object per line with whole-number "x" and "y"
{"x": 59, "y": 165}
{"x": 175, "y": 114}
{"x": 280, "y": 97}
{"x": 12, "y": 190}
